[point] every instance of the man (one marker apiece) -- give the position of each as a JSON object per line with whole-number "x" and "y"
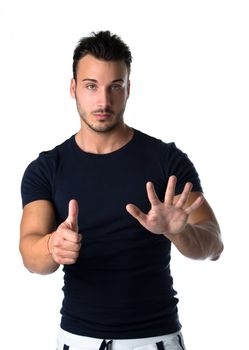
{"x": 107, "y": 204}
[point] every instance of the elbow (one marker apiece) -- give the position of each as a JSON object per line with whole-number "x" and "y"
{"x": 39, "y": 268}
{"x": 33, "y": 265}
{"x": 25, "y": 260}
{"x": 21, "y": 251}
{"x": 218, "y": 252}
{"x": 23, "y": 255}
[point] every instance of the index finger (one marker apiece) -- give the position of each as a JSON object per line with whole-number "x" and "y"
{"x": 152, "y": 194}
{"x": 68, "y": 234}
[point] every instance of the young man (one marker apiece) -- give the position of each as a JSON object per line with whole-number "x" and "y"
{"x": 107, "y": 204}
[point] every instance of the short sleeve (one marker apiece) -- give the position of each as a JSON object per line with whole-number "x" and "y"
{"x": 180, "y": 165}
{"x": 37, "y": 180}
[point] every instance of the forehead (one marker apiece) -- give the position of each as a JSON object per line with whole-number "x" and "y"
{"x": 93, "y": 68}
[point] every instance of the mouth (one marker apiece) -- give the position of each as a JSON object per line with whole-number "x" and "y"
{"x": 102, "y": 116}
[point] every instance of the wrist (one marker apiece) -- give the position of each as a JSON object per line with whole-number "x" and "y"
{"x": 50, "y": 250}
{"x": 49, "y": 243}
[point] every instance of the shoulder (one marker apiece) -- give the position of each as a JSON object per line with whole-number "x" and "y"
{"x": 44, "y": 166}
{"x": 38, "y": 178}
{"x": 149, "y": 139}
{"x": 50, "y": 158}
{"x": 172, "y": 160}
{"x": 58, "y": 150}
{"x": 166, "y": 148}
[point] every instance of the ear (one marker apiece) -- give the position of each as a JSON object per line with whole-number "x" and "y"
{"x": 72, "y": 88}
{"x": 128, "y": 88}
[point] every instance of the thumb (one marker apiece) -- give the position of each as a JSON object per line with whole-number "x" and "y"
{"x": 73, "y": 211}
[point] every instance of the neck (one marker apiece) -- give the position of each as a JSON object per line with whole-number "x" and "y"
{"x": 103, "y": 142}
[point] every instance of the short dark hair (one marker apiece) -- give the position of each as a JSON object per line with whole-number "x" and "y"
{"x": 102, "y": 45}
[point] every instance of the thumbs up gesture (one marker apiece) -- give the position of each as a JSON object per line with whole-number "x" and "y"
{"x": 64, "y": 243}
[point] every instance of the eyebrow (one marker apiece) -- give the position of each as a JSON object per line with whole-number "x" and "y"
{"x": 95, "y": 81}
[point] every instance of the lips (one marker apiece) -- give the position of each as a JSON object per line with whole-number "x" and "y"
{"x": 102, "y": 116}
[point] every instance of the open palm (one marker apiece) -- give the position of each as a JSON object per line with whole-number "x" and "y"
{"x": 166, "y": 217}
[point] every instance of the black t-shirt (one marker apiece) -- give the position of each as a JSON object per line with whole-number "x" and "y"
{"x": 121, "y": 286}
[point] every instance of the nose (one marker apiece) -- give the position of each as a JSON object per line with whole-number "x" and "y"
{"x": 104, "y": 98}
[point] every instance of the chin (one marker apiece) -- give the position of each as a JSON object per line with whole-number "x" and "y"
{"x": 105, "y": 126}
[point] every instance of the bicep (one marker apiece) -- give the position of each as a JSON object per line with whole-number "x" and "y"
{"x": 38, "y": 219}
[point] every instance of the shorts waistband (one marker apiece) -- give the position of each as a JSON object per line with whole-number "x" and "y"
{"x": 116, "y": 344}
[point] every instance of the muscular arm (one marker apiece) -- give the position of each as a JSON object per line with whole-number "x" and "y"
{"x": 44, "y": 248}
{"x": 38, "y": 221}
{"x": 201, "y": 237}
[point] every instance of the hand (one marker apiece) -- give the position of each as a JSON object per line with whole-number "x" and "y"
{"x": 166, "y": 217}
{"x": 64, "y": 243}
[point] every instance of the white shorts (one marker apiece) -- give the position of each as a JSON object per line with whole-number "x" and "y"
{"x": 69, "y": 341}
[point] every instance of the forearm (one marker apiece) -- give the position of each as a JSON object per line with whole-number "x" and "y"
{"x": 199, "y": 241}
{"x": 36, "y": 255}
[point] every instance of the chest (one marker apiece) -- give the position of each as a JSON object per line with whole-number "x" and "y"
{"x": 103, "y": 187}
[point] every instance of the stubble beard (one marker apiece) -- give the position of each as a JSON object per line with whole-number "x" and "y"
{"x": 102, "y": 126}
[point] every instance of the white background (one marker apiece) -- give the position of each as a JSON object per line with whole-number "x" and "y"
{"x": 190, "y": 84}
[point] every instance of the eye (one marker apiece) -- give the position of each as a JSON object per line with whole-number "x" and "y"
{"x": 116, "y": 87}
{"x": 91, "y": 86}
